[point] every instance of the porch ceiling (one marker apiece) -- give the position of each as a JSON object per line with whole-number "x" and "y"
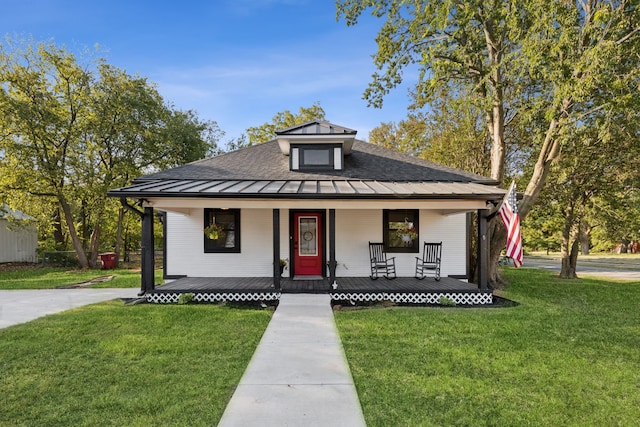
{"x": 188, "y": 206}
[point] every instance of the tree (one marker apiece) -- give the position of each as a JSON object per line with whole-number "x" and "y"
{"x": 42, "y": 99}
{"x": 616, "y": 219}
{"x": 282, "y": 120}
{"x": 70, "y": 132}
{"x": 407, "y": 136}
{"x": 547, "y": 62}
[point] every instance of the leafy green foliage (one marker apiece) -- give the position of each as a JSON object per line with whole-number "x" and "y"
{"x": 70, "y": 131}
{"x": 185, "y": 298}
{"x": 282, "y": 120}
{"x": 536, "y": 72}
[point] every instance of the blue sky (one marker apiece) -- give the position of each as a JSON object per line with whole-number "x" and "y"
{"x": 237, "y": 62}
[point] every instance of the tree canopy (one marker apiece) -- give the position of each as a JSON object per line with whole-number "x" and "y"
{"x": 282, "y": 120}
{"x": 535, "y": 71}
{"x": 70, "y": 131}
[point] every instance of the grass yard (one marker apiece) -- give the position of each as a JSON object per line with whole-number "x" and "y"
{"x": 53, "y": 277}
{"x": 141, "y": 365}
{"x": 568, "y": 355}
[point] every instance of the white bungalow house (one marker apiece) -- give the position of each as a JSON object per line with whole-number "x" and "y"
{"x": 313, "y": 197}
{"x": 18, "y": 236}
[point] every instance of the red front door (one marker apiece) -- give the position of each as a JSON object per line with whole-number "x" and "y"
{"x": 307, "y": 244}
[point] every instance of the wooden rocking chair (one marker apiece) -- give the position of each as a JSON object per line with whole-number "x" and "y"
{"x": 381, "y": 265}
{"x": 430, "y": 261}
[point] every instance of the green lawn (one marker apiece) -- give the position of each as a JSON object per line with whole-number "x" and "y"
{"x": 140, "y": 365}
{"x": 53, "y": 277}
{"x": 568, "y": 355}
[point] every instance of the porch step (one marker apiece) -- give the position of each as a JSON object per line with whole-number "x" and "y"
{"x": 299, "y": 374}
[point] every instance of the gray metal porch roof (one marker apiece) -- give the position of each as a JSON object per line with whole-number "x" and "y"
{"x": 351, "y": 189}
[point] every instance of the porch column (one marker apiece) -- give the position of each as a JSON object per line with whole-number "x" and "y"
{"x": 483, "y": 249}
{"x": 148, "y": 263}
{"x": 276, "y": 248}
{"x": 332, "y": 246}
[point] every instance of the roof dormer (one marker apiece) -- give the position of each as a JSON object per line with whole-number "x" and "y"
{"x": 316, "y": 146}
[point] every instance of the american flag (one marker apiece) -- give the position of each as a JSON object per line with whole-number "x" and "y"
{"x": 509, "y": 214}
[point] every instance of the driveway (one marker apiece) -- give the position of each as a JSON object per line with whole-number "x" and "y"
{"x": 23, "y": 306}
{"x": 609, "y": 268}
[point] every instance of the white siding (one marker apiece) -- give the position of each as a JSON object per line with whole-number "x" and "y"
{"x": 354, "y": 229}
{"x": 18, "y": 244}
{"x": 451, "y": 231}
{"x": 185, "y": 247}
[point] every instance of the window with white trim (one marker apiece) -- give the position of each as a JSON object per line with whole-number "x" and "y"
{"x": 316, "y": 157}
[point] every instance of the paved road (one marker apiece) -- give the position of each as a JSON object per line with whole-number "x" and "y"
{"x": 23, "y": 306}
{"x": 600, "y": 268}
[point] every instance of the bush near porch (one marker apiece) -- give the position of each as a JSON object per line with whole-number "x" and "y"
{"x": 567, "y": 355}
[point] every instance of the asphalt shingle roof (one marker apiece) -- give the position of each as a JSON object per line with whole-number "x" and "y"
{"x": 262, "y": 171}
{"x": 366, "y": 162}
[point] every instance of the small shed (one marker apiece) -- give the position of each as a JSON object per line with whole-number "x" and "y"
{"x": 18, "y": 236}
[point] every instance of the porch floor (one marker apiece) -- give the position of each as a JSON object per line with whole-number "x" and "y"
{"x": 406, "y": 290}
{"x": 345, "y": 284}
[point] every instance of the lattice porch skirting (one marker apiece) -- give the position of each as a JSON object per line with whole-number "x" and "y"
{"x": 460, "y": 298}
{"x": 172, "y": 297}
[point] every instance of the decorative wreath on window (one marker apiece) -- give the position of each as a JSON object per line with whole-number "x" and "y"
{"x": 307, "y": 235}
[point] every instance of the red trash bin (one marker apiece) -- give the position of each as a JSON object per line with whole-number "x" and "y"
{"x": 108, "y": 260}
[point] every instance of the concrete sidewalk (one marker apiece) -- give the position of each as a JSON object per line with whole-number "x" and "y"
{"x": 299, "y": 374}
{"x": 21, "y": 306}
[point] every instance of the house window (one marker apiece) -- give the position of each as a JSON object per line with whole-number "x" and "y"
{"x": 401, "y": 230}
{"x": 316, "y": 157}
{"x": 222, "y": 230}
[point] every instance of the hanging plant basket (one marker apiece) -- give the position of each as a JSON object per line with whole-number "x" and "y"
{"x": 215, "y": 232}
{"x": 407, "y": 234}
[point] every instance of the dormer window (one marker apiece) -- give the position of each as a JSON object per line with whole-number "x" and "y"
{"x": 316, "y": 157}
{"x": 316, "y": 146}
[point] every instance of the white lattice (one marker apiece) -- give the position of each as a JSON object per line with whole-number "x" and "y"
{"x": 172, "y": 297}
{"x": 460, "y": 298}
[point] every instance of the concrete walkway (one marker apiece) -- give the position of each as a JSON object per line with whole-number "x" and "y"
{"x": 24, "y": 305}
{"x": 299, "y": 374}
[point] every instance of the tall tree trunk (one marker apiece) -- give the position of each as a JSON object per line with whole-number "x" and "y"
{"x": 496, "y": 129}
{"x": 549, "y": 152}
{"x": 118, "y": 247}
{"x": 495, "y": 126}
{"x": 95, "y": 244}
{"x": 58, "y": 234}
{"x": 497, "y": 244}
{"x": 84, "y": 232}
{"x": 569, "y": 246}
{"x": 75, "y": 240}
{"x": 570, "y": 263}
{"x": 585, "y": 238}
